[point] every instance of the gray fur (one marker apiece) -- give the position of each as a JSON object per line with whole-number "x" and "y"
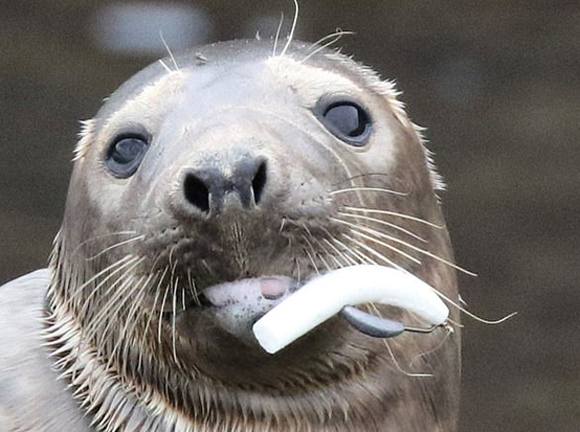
{"x": 32, "y": 398}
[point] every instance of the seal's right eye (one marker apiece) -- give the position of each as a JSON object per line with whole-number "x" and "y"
{"x": 125, "y": 155}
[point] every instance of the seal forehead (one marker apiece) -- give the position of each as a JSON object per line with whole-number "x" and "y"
{"x": 154, "y": 98}
{"x": 310, "y": 81}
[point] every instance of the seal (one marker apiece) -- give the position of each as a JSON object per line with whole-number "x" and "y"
{"x": 208, "y": 185}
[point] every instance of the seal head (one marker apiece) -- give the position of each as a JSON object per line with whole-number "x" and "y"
{"x": 212, "y": 184}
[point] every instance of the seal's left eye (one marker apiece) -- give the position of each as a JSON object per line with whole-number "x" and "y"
{"x": 345, "y": 119}
{"x": 125, "y": 154}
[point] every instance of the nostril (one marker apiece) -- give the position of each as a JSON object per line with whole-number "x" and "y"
{"x": 196, "y": 192}
{"x": 259, "y": 182}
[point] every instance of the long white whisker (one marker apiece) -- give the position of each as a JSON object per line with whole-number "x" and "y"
{"x": 315, "y": 254}
{"x": 382, "y": 222}
{"x": 162, "y": 63}
{"x": 171, "y": 56}
{"x": 357, "y": 253}
{"x": 139, "y": 305}
{"x": 360, "y": 231}
{"x": 448, "y": 334}
{"x": 124, "y": 335}
{"x": 368, "y": 189}
{"x": 120, "y": 263}
{"x": 470, "y": 314}
{"x": 395, "y": 214}
{"x": 349, "y": 260}
{"x": 173, "y": 333}
{"x": 153, "y": 310}
{"x": 338, "y": 34}
{"x": 406, "y": 244}
{"x": 374, "y": 252}
{"x": 105, "y": 309}
{"x": 277, "y": 37}
{"x": 192, "y": 287}
{"x": 382, "y": 243}
{"x": 292, "y": 29}
{"x": 100, "y": 237}
{"x": 398, "y": 366}
{"x": 130, "y": 261}
{"x": 160, "y": 315}
{"x": 116, "y": 245}
{"x": 334, "y": 258}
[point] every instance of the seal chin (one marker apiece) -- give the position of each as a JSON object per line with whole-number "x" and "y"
{"x": 236, "y": 306}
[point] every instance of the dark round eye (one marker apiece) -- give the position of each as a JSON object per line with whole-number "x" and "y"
{"x": 125, "y": 154}
{"x": 346, "y": 120}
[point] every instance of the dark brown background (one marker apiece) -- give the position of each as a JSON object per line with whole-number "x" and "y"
{"x": 497, "y": 83}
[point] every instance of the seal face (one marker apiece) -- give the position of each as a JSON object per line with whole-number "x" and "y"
{"x": 203, "y": 191}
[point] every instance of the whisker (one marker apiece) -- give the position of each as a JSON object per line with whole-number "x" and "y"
{"x": 153, "y": 309}
{"x": 116, "y": 245}
{"x": 93, "y": 328}
{"x": 160, "y": 314}
{"x": 398, "y": 366}
{"x": 100, "y": 237}
{"x": 162, "y": 63}
{"x": 338, "y": 32}
{"x": 349, "y": 260}
{"x": 334, "y": 258}
{"x": 124, "y": 334}
{"x": 382, "y": 243}
{"x": 338, "y": 35}
{"x": 362, "y": 256}
{"x": 192, "y": 288}
{"x": 472, "y": 315}
{"x": 73, "y": 295}
{"x": 105, "y": 309}
{"x": 373, "y": 309}
{"x": 292, "y": 29}
{"x": 315, "y": 255}
{"x": 395, "y": 214}
{"x": 382, "y": 222}
{"x": 357, "y": 253}
{"x": 404, "y": 243}
{"x": 448, "y": 334}
{"x": 277, "y": 37}
{"x": 138, "y": 304}
{"x": 171, "y": 56}
{"x": 368, "y": 189}
{"x": 375, "y": 253}
{"x": 130, "y": 261}
{"x": 359, "y": 176}
{"x": 173, "y": 333}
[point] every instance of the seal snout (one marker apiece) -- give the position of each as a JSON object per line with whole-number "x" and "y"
{"x": 207, "y": 188}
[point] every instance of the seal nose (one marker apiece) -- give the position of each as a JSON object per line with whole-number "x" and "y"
{"x": 206, "y": 188}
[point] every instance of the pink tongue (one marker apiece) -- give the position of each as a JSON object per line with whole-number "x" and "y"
{"x": 274, "y": 287}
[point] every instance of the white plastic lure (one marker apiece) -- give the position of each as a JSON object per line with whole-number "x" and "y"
{"x": 326, "y": 295}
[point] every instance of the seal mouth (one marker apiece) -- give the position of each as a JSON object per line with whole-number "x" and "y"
{"x": 276, "y": 310}
{"x": 236, "y": 306}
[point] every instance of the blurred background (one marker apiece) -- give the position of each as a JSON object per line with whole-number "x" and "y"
{"x": 497, "y": 84}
